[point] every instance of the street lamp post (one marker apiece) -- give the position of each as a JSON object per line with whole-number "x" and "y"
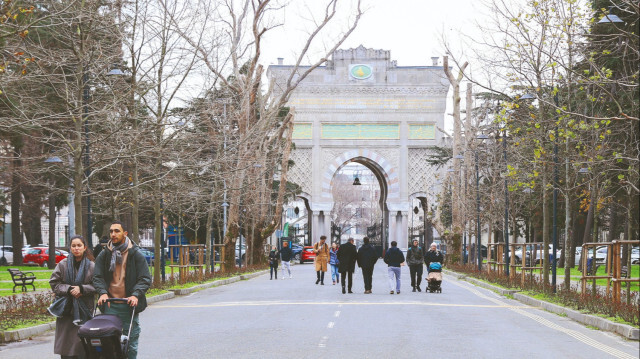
{"x": 52, "y": 219}
{"x": 87, "y": 170}
{"x": 506, "y": 203}
{"x": 480, "y": 137}
{"x": 554, "y": 247}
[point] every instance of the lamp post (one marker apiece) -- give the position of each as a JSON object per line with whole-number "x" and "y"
{"x": 554, "y": 247}
{"x": 52, "y": 219}
{"x": 480, "y": 137}
{"x": 4, "y": 229}
{"x": 506, "y": 201}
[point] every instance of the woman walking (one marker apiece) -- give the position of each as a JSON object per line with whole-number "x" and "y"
{"x": 333, "y": 261}
{"x": 273, "y": 261}
{"x": 71, "y": 283}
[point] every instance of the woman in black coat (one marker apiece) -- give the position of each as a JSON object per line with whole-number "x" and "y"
{"x": 273, "y": 261}
{"x": 347, "y": 256}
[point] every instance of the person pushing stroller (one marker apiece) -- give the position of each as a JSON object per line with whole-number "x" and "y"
{"x": 434, "y": 259}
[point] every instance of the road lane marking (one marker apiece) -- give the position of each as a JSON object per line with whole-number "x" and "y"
{"x": 549, "y": 324}
{"x": 330, "y": 325}
{"x": 323, "y": 342}
{"x": 258, "y": 304}
{"x": 336, "y": 314}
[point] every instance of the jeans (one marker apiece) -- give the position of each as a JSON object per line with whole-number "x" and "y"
{"x": 394, "y": 283}
{"x": 334, "y": 273}
{"x": 274, "y": 270}
{"x": 286, "y": 265}
{"x": 416, "y": 274}
{"x": 367, "y": 275}
{"x": 123, "y": 311}
{"x": 347, "y": 275}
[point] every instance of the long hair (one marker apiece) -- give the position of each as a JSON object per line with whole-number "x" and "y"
{"x": 87, "y": 253}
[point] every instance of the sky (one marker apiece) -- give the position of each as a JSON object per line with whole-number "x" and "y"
{"x": 412, "y": 30}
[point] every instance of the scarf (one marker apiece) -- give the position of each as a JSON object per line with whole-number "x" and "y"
{"x": 116, "y": 253}
{"x": 68, "y": 304}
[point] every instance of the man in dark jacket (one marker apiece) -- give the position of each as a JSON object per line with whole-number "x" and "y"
{"x": 367, "y": 258}
{"x": 347, "y": 255}
{"x": 433, "y": 255}
{"x": 394, "y": 259}
{"x": 415, "y": 258}
{"x": 121, "y": 271}
{"x": 285, "y": 255}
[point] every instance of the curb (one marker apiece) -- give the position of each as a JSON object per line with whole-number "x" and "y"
{"x": 624, "y": 330}
{"x": 26, "y": 333}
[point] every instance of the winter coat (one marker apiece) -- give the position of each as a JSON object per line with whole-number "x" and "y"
{"x": 137, "y": 278}
{"x": 394, "y": 257}
{"x": 286, "y": 254}
{"x": 367, "y": 256}
{"x": 415, "y": 255}
{"x": 273, "y": 258}
{"x": 322, "y": 256}
{"x": 333, "y": 257}
{"x": 433, "y": 256}
{"x": 347, "y": 255}
{"x": 67, "y": 341}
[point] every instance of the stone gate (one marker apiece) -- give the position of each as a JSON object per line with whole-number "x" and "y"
{"x": 361, "y": 107}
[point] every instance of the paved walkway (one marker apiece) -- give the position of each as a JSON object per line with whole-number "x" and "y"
{"x": 262, "y": 318}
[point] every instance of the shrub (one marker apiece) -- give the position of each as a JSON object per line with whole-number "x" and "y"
{"x": 19, "y": 309}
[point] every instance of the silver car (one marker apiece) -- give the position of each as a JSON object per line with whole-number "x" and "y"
{"x": 6, "y": 256}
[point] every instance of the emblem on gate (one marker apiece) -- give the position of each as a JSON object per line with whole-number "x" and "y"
{"x": 360, "y": 71}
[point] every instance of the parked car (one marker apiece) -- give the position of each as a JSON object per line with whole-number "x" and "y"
{"x": 539, "y": 254}
{"x": 40, "y": 256}
{"x": 635, "y": 255}
{"x": 148, "y": 255}
{"x": 6, "y": 256}
{"x": 297, "y": 251}
{"x": 307, "y": 254}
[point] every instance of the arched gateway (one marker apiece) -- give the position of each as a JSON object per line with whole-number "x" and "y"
{"x": 362, "y": 107}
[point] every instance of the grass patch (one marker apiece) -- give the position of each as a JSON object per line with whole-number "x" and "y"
{"x": 154, "y": 291}
{"x": 30, "y": 323}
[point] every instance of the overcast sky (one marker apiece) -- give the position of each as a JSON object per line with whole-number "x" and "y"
{"x": 411, "y": 29}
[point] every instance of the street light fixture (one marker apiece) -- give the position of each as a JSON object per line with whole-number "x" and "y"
{"x": 610, "y": 18}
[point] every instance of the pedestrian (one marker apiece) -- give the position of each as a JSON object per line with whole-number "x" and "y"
{"x": 395, "y": 260}
{"x": 273, "y": 262}
{"x": 286, "y": 254}
{"x": 122, "y": 272}
{"x": 367, "y": 258}
{"x": 333, "y": 262}
{"x": 98, "y": 248}
{"x": 415, "y": 258}
{"x": 321, "y": 249}
{"x": 71, "y": 283}
{"x": 433, "y": 255}
{"x": 347, "y": 255}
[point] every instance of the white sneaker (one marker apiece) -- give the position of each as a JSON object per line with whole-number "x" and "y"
{"x": 290, "y": 277}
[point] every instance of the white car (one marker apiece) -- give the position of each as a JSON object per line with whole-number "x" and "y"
{"x": 6, "y": 256}
{"x": 635, "y": 255}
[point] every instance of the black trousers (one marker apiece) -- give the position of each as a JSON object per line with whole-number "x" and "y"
{"x": 367, "y": 275}
{"x": 274, "y": 269}
{"x": 347, "y": 275}
{"x": 416, "y": 274}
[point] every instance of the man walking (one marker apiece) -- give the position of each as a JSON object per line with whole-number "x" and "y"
{"x": 394, "y": 259}
{"x": 367, "y": 258}
{"x": 347, "y": 255}
{"x": 322, "y": 258}
{"x": 121, "y": 271}
{"x": 285, "y": 255}
{"x": 415, "y": 258}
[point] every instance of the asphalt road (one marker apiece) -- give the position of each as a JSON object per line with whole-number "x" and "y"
{"x": 295, "y": 318}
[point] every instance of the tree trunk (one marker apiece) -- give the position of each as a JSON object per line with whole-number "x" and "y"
{"x": 16, "y": 201}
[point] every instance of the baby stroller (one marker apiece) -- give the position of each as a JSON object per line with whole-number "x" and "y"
{"x": 434, "y": 279}
{"x": 102, "y": 336}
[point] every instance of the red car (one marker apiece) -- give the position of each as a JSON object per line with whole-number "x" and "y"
{"x": 40, "y": 256}
{"x": 307, "y": 254}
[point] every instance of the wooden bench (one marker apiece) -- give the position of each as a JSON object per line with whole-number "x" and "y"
{"x": 22, "y": 279}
